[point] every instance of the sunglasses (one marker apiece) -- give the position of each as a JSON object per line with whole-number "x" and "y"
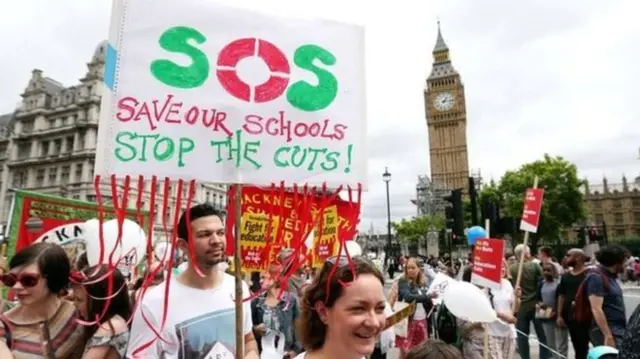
{"x": 27, "y": 280}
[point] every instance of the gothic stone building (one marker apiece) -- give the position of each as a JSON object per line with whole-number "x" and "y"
{"x": 618, "y": 205}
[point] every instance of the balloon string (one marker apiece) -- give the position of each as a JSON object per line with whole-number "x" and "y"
{"x": 96, "y": 185}
{"x": 152, "y": 218}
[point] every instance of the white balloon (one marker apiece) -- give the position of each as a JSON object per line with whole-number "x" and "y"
{"x": 353, "y": 248}
{"x": 130, "y": 250}
{"x": 468, "y": 302}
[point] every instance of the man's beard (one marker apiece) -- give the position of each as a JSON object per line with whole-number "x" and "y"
{"x": 208, "y": 263}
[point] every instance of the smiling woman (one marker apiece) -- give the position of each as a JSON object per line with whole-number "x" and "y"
{"x": 342, "y": 310}
{"x": 37, "y": 275}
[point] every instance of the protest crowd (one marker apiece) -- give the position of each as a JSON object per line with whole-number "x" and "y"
{"x": 277, "y": 274}
{"x": 72, "y": 310}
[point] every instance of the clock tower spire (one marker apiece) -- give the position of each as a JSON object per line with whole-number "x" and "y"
{"x": 446, "y": 121}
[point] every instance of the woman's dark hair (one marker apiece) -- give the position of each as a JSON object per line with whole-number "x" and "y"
{"x": 98, "y": 294}
{"x": 52, "y": 261}
{"x": 434, "y": 349}
{"x": 311, "y": 329}
{"x": 195, "y": 212}
{"x": 611, "y": 255}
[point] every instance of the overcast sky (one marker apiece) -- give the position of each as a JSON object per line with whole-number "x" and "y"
{"x": 540, "y": 76}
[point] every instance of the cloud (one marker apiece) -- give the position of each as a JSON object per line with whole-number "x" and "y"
{"x": 540, "y": 77}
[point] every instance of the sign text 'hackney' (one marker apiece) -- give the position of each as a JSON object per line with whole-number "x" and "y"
{"x": 301, "y": 95}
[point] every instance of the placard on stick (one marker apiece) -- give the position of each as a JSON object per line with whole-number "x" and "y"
{"x": 531, "y": 210}
{"x": 487, "y": 263}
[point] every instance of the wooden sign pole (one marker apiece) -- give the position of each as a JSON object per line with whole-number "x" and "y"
{"x": 525, "y": 243}
{"x": 487, "y": 227}
{"x": 237, "y": 265}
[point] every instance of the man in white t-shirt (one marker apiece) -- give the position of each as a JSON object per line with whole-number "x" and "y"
{"x": 200, "y": 313}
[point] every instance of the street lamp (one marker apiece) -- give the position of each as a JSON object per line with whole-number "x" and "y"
{"x": 386, "y": 177}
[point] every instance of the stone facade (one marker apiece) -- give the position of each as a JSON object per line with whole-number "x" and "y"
{"x": 618, "y": 205}
{"x": 447, "y": 121}
{"x": 48, "y": 143}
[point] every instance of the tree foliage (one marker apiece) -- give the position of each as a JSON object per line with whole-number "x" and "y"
{"x": 417, "y": 227}
{"x": 563, "y": 203}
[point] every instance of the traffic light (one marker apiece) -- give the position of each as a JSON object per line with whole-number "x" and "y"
{"x": 454, "y": 214}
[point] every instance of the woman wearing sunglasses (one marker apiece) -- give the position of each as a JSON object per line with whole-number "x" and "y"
{"x": 42, "y": 319}
{"x": 342, "y": 310}
{"x": 107, "y": 306}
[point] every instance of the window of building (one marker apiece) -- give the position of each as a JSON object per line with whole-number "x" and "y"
{"x": 78, "y": 174}
{"x": 618, "y": 232}
{"x": 599, "y": 218}
{"x": 24, "y": 150}
{"x": 57, "y": 146}
{"x": 27, "y": 127}
{"x": 3, "y": 149}
{"x": 81, "y": 136}
{"x": 19, "y": 179}
{"x": 69, "y": 142}
{"x": 40, "y": 178}
{"x": 76, "y": 196}
{"x": 616, "y": 203}
{"x": 91, "y": 168}
{"x": 618, "y": 218}
{"x": 53, "y": 174}
{"x": 635, "y": 202}
{"x": 637, "y": 217}
{"x": 64, "y": 174}
{"x": 44, "y": 148}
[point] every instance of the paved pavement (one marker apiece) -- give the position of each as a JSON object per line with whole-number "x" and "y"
{"x": 631, "y": 301}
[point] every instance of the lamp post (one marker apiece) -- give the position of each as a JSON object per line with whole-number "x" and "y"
{"x": 386, "y": 177}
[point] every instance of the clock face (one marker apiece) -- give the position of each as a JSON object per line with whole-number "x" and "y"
{"x": 444, "y": 101}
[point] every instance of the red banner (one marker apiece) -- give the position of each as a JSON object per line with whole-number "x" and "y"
{"x": 531, "y": 211}
{"x": 288, "y": 218}
{"x": 488, "y": 254}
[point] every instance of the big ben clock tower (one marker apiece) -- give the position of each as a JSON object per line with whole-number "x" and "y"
{"x": 447, "y": 121}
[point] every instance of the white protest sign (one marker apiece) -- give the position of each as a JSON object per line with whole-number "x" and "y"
{"x": 197, "y": 90}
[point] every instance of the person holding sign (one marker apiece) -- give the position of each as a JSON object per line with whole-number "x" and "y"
{"x": 531, "y": 279}
{"x": 201, "y": 306}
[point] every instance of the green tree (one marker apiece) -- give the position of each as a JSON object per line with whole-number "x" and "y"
{"x": 466, "y": 212}
{"x": 563, "y": 203}
{"x": 417, "y": 227}
{"x": 490, "y": 193}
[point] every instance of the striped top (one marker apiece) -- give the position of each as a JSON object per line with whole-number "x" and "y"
{"x": 66, "y": 335}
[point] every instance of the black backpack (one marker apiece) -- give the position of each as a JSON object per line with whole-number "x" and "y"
{"x": 447, "y": 327}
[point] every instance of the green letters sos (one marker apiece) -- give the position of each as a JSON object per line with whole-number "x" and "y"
{"x": 301, "y": 95}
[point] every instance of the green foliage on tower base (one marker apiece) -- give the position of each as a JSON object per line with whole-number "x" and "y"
{"x": 563, "y": 203}
{"x": 417, "y": 227}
